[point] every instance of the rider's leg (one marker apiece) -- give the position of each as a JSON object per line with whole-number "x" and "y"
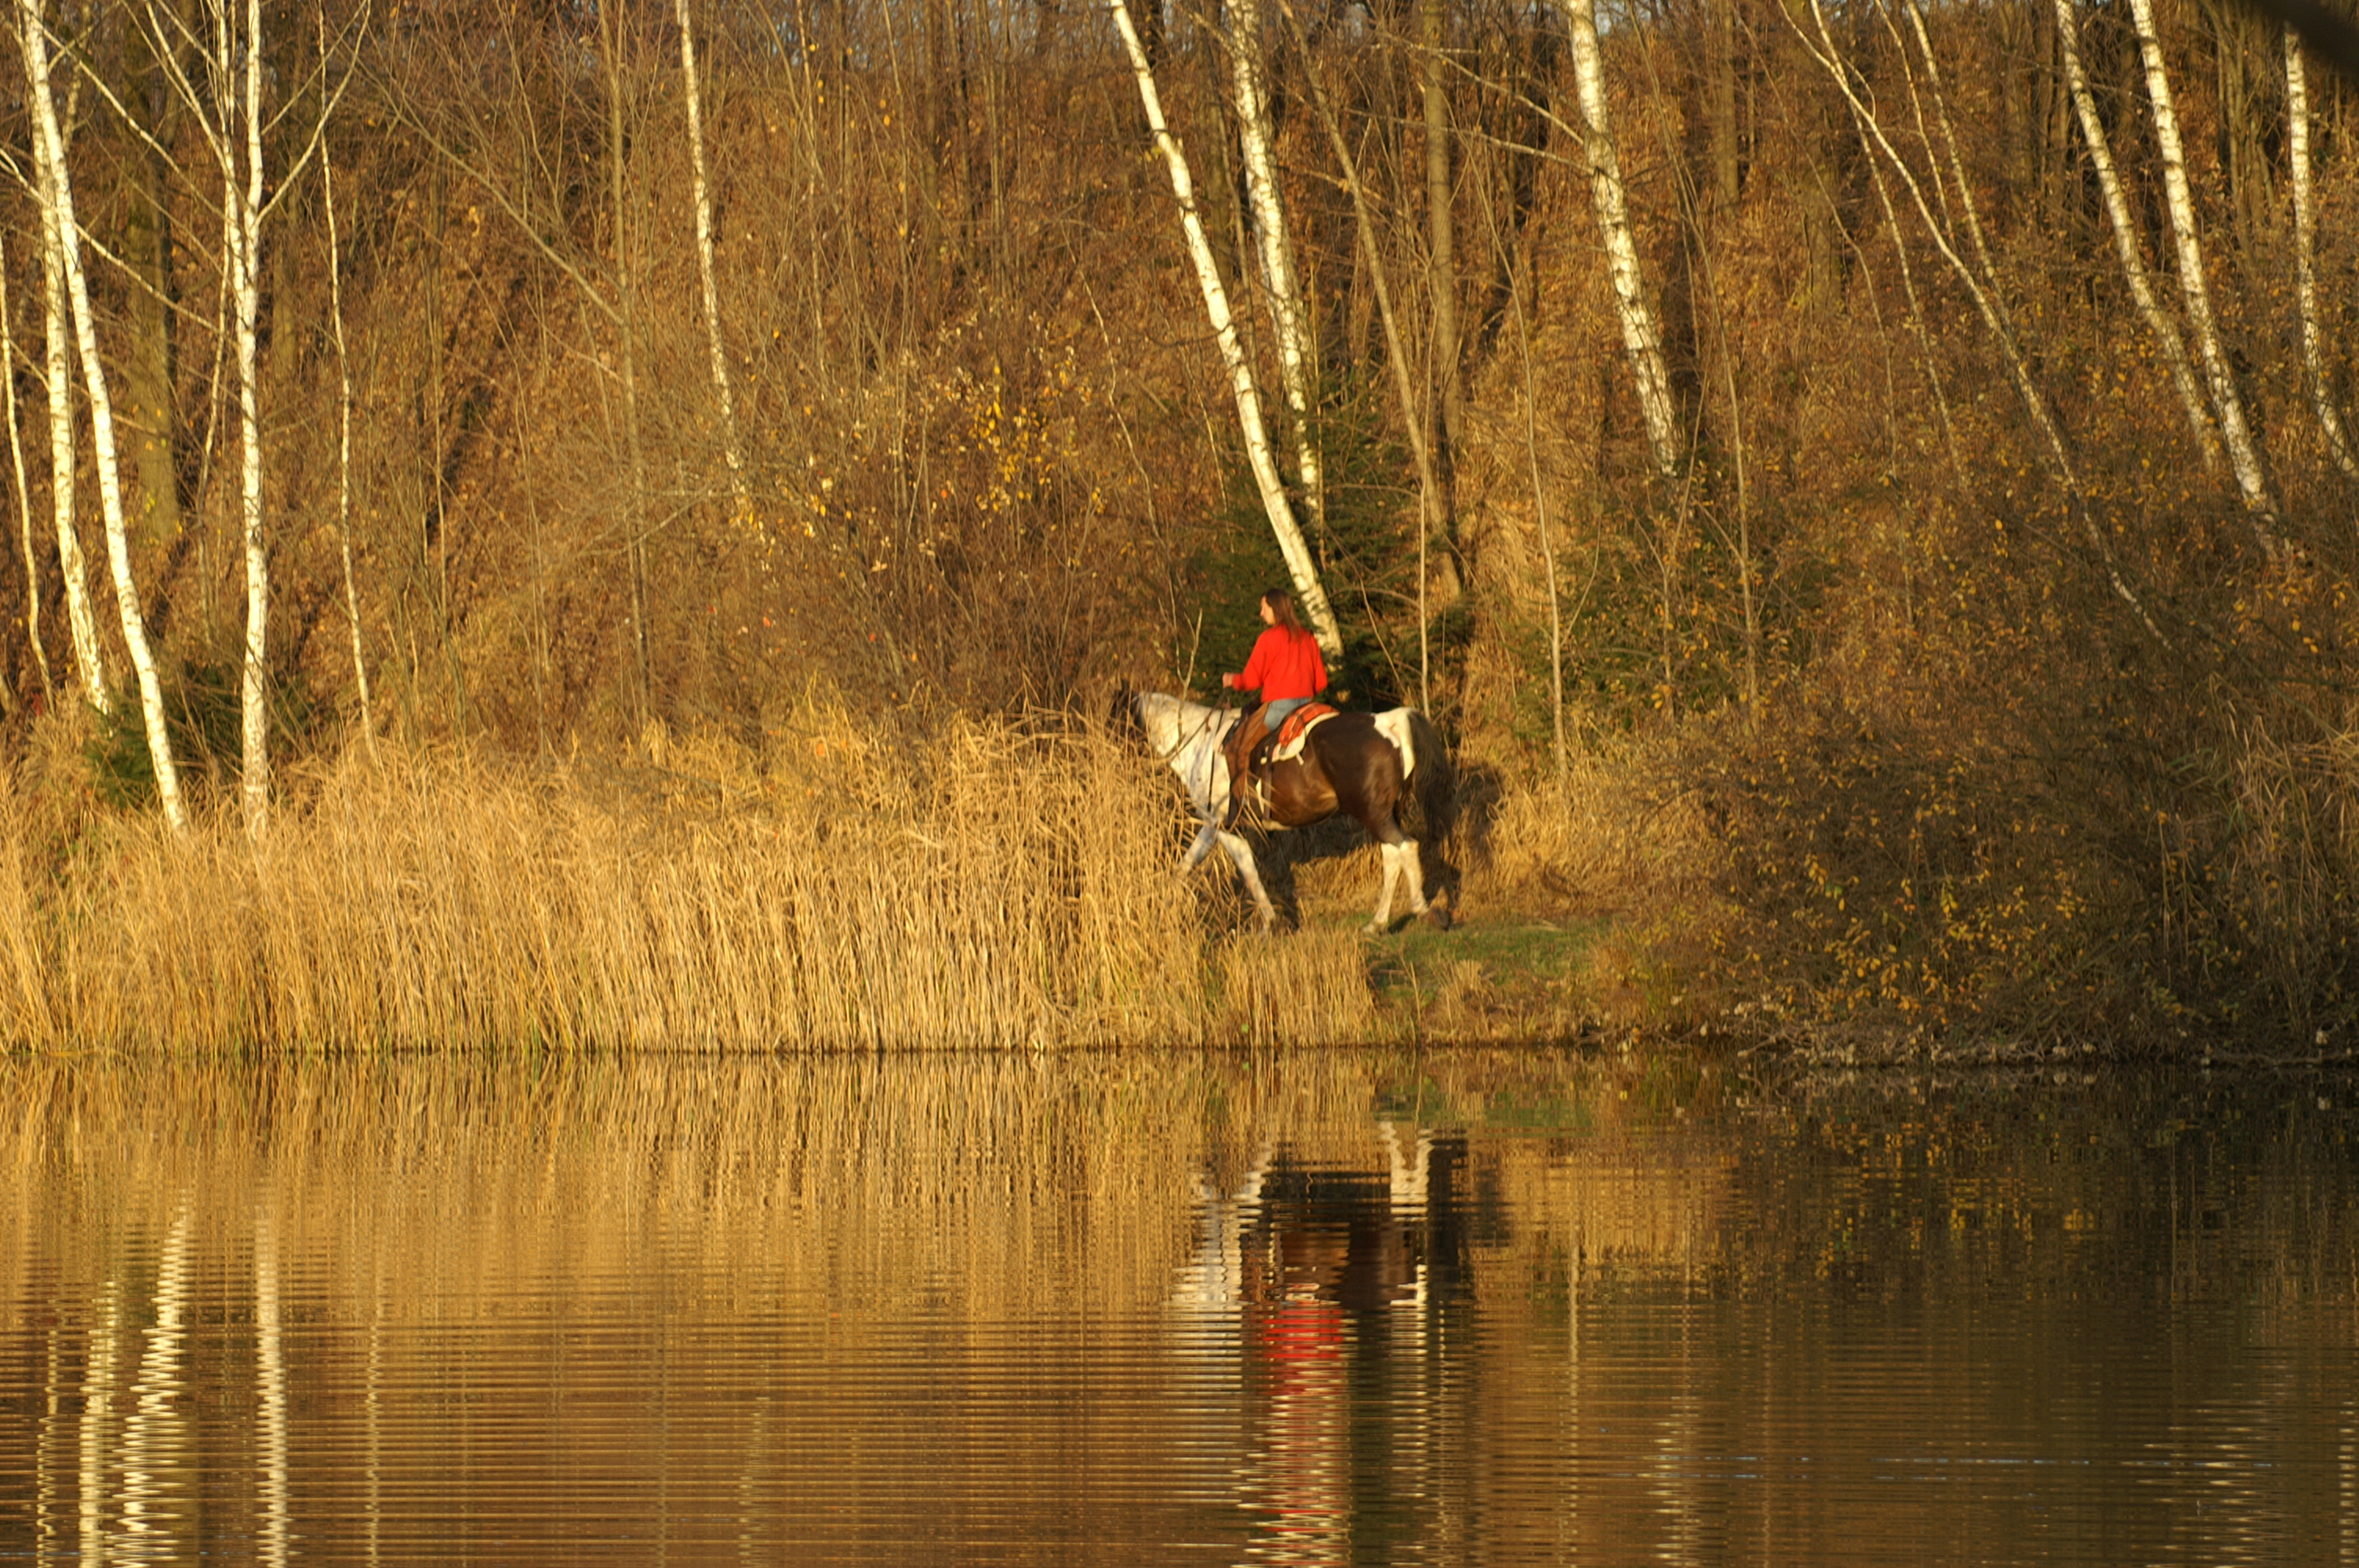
{"x": 1247, "y": 735}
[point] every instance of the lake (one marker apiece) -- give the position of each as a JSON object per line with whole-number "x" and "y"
{"x": 1323, "y": 1307}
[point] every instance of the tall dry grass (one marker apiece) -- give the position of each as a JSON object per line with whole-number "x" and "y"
{"x": 996, "y": 886}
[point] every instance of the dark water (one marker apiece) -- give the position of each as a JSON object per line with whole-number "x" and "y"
{"x": 1316, "y": 1309}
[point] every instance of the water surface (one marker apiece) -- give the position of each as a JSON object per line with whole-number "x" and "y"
{"x": 1322, "y": 1308}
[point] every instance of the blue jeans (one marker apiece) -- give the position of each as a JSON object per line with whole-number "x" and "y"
{"x": 1281, "y": 711}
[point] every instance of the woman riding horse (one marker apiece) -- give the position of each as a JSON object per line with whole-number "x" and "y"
{"x": 1287, "y": 669}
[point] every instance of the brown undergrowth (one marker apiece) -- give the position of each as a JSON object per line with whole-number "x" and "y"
{"x": 998, "y": 885}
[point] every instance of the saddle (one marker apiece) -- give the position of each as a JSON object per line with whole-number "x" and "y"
{"x": 1249, "y": 763}
{"x": 1294, "y": 731}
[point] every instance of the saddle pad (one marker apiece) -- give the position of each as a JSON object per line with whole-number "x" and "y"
{"x": 1297, "y": 729}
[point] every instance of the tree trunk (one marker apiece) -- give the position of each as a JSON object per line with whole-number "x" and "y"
{"x": 1640, "y": 337}
{"x": 1256, "y": 139}
{"x": 23, "y": 491}
{"x": 81, "y": 616}
{"x": 2243, "y": 457}
{"x": 1720, "y": 109}
{"x": 242, "y": 189}
{"x": 1433, "y": 23}
{"x": 344, "y": 432}
{"x": 2305, "y": 221}
{"x": 626, "y": 327}
{"x": 734, "y": 454}
{"x": 1299, "y": 565}
{"x": 57, "y": 200}
{"x": 2159, "y": 324}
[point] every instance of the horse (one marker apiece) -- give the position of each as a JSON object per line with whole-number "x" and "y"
{"x": 1358, "y": 764}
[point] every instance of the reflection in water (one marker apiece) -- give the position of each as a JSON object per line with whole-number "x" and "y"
{"x": 271, "y": 1374}
{"x": 1321, "y": 1286}
{"x": 152, "y": 1434}
{"x": 1325, "y": 1309}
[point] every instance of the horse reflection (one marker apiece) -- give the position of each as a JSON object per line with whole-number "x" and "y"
{"x": 1358, "y": 1239}
{"x": 1317, "y": 1292}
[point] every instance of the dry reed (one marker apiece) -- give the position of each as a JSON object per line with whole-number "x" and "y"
{"x": 1004, "y": 888}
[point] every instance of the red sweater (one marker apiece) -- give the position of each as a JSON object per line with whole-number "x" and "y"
{"x": 1284, "y": 664}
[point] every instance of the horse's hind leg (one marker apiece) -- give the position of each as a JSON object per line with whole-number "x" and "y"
{"x": 1381, "y": 921}
{"x": 1400, "y": 865}
{"x": 1412, "y": 860}
{"x": 1402, "y": 860}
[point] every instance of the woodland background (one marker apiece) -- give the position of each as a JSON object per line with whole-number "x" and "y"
{"x": 1878, "y": 702}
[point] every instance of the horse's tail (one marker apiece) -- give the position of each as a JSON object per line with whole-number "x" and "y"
{"x": 1426, "y": 768}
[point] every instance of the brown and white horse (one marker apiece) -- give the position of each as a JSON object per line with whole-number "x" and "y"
{"x": 1363, "y": 766}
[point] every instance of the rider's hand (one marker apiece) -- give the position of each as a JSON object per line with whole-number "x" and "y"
{"x": 1229, "y": 681}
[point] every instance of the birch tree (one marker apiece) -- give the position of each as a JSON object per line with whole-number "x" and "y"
{"x": 1301, "y": 568}
{"x": 2305, "y": 225}
{"x": 1289, "y": 320}
{"x": 2159, "y": 324}
{"x": 23, "y": 491}
{"x": 240, "y": 160}
{"x": 229, "y": 114}
{"x": 56, "y": 312}
{"x": 56, "y": 195}
{"x": 2244, "y": 459}
{"x": 723, "y": 395}
{"x": 1640, "y": 337}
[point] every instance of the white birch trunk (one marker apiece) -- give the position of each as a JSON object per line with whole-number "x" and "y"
{"x": 740, "y": 489}
{"x": 245, "y": 197}
{"x": 1275, "y": 244}
{"x": 1640, "y": 337}
{"x": 24, "y": 489}
{"x": 81, "y": 617}
{"x": 57, "y": 191}
{"x": 2159, "y": 326}
{"x": 1299, "y": 567}
{"x": 2305, "y": 226}
{"x": 2244, "y": 459}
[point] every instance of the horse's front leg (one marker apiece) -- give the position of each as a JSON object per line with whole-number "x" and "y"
{"x": 1206, "y": 836}
{"x": 1241, "y": 855}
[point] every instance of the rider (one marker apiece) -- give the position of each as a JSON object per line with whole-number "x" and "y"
{"x": 1288, "y": 670}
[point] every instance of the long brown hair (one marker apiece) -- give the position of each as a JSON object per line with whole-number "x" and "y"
{"x": 1281, "y": 605}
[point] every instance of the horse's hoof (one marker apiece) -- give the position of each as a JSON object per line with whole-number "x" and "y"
{"x": 1440, "y": 916}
